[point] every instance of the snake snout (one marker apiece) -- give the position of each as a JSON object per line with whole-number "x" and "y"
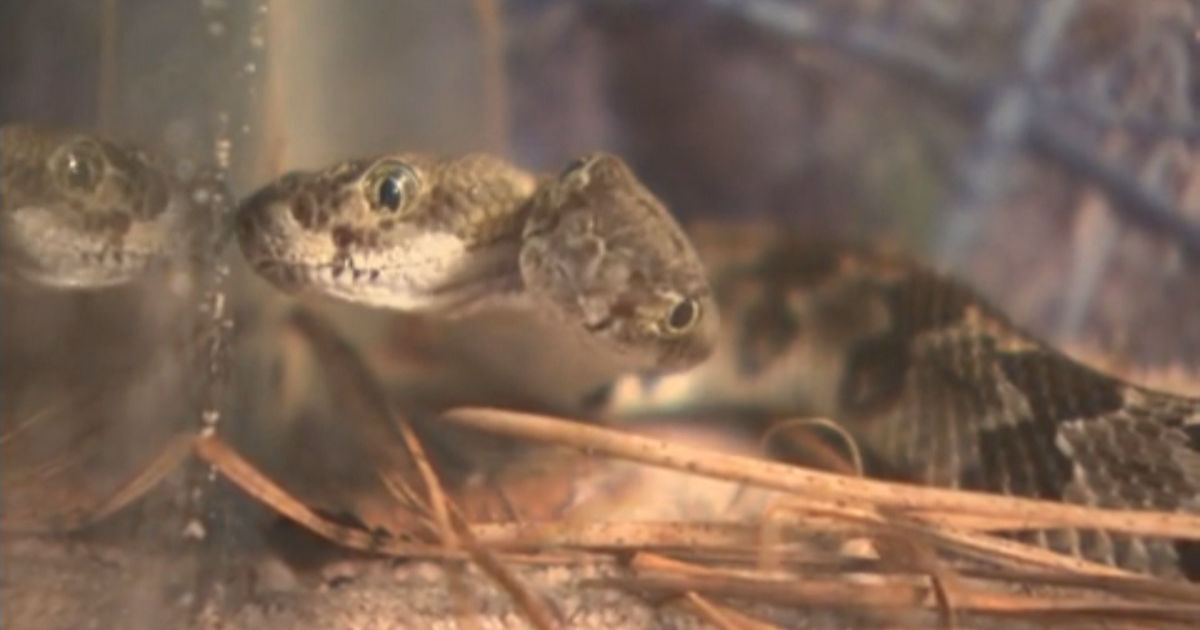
{"x": 264, "y": 224}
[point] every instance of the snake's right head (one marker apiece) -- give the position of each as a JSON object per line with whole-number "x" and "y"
{"x": 607, "y": 256}
{"x": 82, "y": 212}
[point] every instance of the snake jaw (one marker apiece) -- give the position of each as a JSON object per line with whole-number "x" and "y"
{"x": 297, "y": 260}
{"x": 405, "y": 268}
{"x": 90, "y": 249}
{"x": 419, "y": 279}
{"x": 347, "y": 255}
{"x": 401, "y": 231}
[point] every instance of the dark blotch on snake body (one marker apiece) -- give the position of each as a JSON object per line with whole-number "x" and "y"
{"x": 874, "y": 376}
{"x": 1059, "y": 389}
{"x": 1024, "y": 454}
{"x": 877, "y": 368}
{"x": 769, "y": 327}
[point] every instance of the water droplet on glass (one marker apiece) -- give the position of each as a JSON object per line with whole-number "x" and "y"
{"x": 194, "y": 530}
{"x": 222, "y": 152}
{"x": 180, "y": 283}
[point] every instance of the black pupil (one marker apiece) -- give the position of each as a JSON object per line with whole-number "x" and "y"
{"x": 682, "y": 315}
{"x": 79, "y": 172}
{"x": 390, "y": 193}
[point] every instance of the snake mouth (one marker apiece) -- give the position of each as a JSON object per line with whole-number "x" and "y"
{"x": 88, "y": 270}
{"x": 397, "y": 287}
{"x": 60, "y": 245}
{"x": 392, "y": 287}
{"x": 50, "y": 253}
{"x": 297, "y": 276}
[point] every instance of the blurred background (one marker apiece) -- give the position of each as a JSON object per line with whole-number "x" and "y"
{"x": 1047, "y": 151}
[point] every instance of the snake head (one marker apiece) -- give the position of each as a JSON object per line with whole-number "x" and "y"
{"x": 609, "y": 257}
{"x": 405, "y": 231}
{"x": 82, "y": 212}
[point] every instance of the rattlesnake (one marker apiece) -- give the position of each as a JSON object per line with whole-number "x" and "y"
{"x": 590, "y": 247}
{"x": 927, "y": 374}
{"x": 939, "y": 385}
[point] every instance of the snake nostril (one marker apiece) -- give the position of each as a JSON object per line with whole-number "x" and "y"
{"x": 303, "y": 211}
{"x": 119, "y": 223}
{"x": 343, "y": 237}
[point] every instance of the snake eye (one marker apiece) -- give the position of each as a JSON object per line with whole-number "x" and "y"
{"x": 682, "y": 316}
{"x": 391, "y": 185}
{"x": 79, "y": 166}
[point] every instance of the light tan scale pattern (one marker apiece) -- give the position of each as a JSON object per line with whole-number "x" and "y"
{"x": 77, "y": 211}
{"x": 590, "y": 247}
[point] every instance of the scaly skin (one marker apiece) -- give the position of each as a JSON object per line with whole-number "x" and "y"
{"x": 80, "y": 212}
{"x": 447, "y": 237}
{"x": 940, "y": 387}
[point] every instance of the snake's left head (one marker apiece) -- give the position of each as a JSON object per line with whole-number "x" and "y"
{"x": 610, "y": 257}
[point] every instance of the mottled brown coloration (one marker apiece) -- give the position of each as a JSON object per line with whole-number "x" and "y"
{"x": 952, "y": 393}
{"x": 591, "y": 247}
{"x": 446, "y": 243}
{"x": 945, "y": 390}
{"x": 604, "y": 251}
{"x": 82, "y": 212}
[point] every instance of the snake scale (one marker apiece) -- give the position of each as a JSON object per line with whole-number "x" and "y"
{"x": 939, "y": 386}
{"x": 930, "y": 377}
{"x": 589, "y": 246}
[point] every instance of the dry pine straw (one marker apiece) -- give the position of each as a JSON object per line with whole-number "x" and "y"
{"x": 742, "y": 559}
{"x": 917, "y": 518}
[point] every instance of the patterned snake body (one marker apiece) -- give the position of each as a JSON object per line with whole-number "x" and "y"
{"x": 944, "y": 389}
{"x": 77, "y": 211}
{"x": 933, "y": 380}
